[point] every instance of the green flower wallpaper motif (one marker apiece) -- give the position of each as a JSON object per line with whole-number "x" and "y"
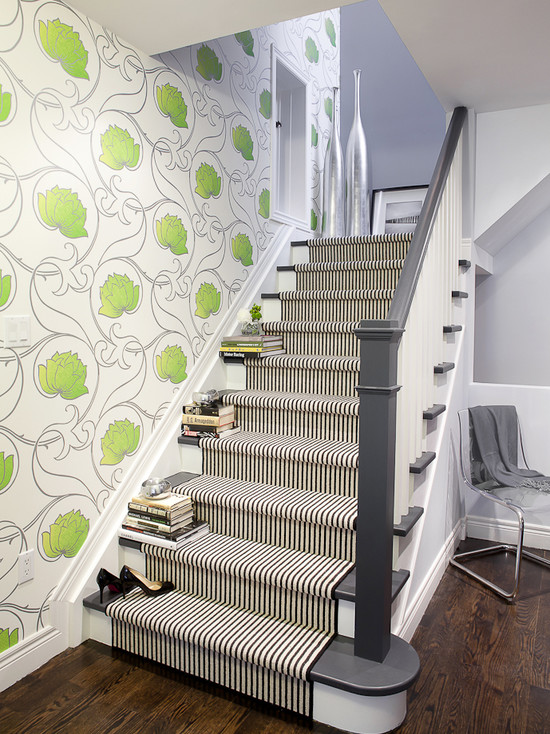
{"x": 131, "y": 222}
{"x": 208, "y": 301}
{"x": 208, "y": 182}
{"x": 6, "y": 470}
{"x": 265, "y": 197}
{"x": 208, "y": 64}
{"x": 118, "y": 295}
{"x": 5, "y": 288}
{"x": 242, "y": 249}
{"x": 246, "y": 39}
{"x": 171, "y": 365}
{"x": 331, "y": 31}
{"x": 64, "y": 375}
{"x": 62, "y": 43}
{"x": 313, "y": 223}
{"x": 5, "y": 105}
{"x": 8, "y": 639}
{"x": 172, "y": 234}
{"x": 120, "y": 440}
{"x": 119, "y": 149}
{"x": 243, "y": 142}
{"x": 171, "y": 104}
{"x": 314, "y": 136}
{"x": 265, "y": 104}
{"x": 62, "y": 209}
{"x": 312, "y": 52}
{"x": 66, "y": 535}
{"x": 328, "y": 107}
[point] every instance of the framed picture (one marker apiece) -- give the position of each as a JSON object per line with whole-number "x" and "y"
{"x": 396, "y": 211}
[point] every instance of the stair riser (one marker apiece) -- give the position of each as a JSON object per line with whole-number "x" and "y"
{"x": 316, "y": 382}
{"x": 246, "y": 593}
{"x": 340, "y": 309}
{"x": 282, "y": 472}
{"x": 327, "y": 426}
{"x": 329, "y": 344}
{"x": 285, "y": 533}
{"x": 359, "y": 251}
{"x": 346, "y": 280}
{"x": 252, "y": 680}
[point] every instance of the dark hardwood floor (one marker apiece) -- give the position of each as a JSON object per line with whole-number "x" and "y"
{"x": 485, "y": 670}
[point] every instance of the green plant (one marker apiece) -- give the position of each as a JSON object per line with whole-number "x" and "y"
{"x": 256, "y": 312}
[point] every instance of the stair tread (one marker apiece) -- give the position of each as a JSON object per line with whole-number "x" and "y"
{"x": 269, "y": 642}
{"x": 317, "y": 508}
{"x": 349, "y": 265}
{"x": 300, "y": 448}
{"x": 294, "y": 401}
{"x": 346, "y": 588}
{"x": 434, "y": 411}
{"x": 443, "y": 367}
{"x": 358, "y": 239}
{"x": 422, "y": 462}
{"x": 271, "y": 565}
{"x": 335, "y": 295}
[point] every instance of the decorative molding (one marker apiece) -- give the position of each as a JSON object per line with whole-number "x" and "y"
{"x": 422, "y": 598}
{"x": 506, "y": 531}
{"x": 29, "y": 654}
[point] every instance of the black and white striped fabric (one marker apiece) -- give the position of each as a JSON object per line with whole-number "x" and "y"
{"x": 254, "y": 606}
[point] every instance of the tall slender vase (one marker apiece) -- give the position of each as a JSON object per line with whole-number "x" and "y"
{"x": 357, "y": 187}
{"x": 333, "y": 182}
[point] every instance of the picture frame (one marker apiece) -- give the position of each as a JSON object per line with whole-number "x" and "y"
{"x": 396, "y": 210}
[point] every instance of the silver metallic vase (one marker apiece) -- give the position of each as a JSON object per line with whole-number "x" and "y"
{"x": 333, "y": 182}
{"x": 357, "y": 187}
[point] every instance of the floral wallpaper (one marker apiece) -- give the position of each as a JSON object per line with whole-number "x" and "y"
{"x": 134, "y": 202}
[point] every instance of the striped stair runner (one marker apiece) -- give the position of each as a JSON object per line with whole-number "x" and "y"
{"x": 254, "y": 605}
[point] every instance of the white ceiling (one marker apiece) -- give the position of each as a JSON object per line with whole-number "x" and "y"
{"x": 486, "y": 54}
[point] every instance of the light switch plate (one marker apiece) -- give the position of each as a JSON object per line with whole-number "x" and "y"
{"x": 17, "y": 331}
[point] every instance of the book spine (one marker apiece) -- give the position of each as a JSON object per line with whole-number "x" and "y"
{"x": 160, "y": 512}
{"x": 208, "y": 420}
{"x": 250, "y": 347}
{"x": 167, "y": 527}
{"x": 147, "y": 538}
{"x": 156, "y": 532}
{"x": 146, "y": 517}
{"x": 213, "y": 409}
{"x": 206, "y": 428}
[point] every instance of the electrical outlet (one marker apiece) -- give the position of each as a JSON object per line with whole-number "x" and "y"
{"x": 26, "y": 566}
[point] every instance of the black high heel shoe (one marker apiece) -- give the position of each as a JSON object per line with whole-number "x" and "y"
{"x": 106, "y": 578}
{"x": 129, "y": 577}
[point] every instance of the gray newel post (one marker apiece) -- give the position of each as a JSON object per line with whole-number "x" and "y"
{"x": 379, "y": 342}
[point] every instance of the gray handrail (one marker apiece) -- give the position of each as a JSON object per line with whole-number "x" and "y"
{"x": 404, "y": 292}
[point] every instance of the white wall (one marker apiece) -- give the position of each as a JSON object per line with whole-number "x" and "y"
{"x": 513, "y": 155}
{"x": 403, "y": 120}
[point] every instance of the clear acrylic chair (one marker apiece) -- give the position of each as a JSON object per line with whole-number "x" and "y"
{"x": 516, "y": 499}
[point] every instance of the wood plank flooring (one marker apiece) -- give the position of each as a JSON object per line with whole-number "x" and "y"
{"x": 485, "y": 670}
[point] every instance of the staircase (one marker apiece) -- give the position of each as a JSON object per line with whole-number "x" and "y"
{"x": 255, "y": 600}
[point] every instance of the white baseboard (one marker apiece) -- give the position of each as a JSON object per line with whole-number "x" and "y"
{"x": 422, "y": 598}
{"x": 506, "y": 531}
{"x": 18, "y": 661}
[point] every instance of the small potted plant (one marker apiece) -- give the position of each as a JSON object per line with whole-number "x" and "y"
{"x": 250, "y": 320}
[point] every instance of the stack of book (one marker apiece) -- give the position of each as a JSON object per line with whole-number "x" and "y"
{"x": 213, "y": 419}
{"x": 167, "y": 522}
{"x": 259, "y": 345}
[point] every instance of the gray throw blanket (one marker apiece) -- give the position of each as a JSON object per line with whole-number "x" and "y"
{"x": 495, "y": 429}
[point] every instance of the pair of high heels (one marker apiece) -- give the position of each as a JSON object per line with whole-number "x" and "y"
{"x": 127, "y": 580}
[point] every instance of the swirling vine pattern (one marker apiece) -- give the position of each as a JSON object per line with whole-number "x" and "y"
{"x": 134, "y": 203}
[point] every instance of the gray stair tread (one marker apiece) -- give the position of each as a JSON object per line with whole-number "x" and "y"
{"x": 459, "y": 294}
{"x": 443, "y": 367}
{"x": 465, "y": 263}
{"x": 422, "y": 462}
{"x": 92, "y": 601}
{"x": 434, "y": 411}
{"x": 346, "y": 588}
{"x": 339, "y": 667}
{"x": 333, "y": 327}
{"x": 408, "y": 521}
{"x": 302, "y": 505}
{"x": 452, "y": 328}
{"x": 260, "y": 563}
{"x": 272, "y": 643}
